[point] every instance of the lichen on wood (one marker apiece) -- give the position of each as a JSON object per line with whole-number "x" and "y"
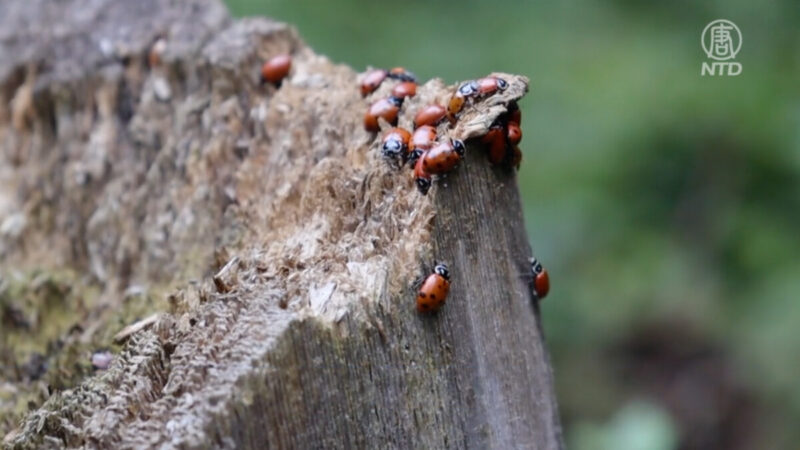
{"x": 284, "y": 248}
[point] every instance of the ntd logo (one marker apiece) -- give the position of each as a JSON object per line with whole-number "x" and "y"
{"x": 721, "y": 68}
{"x": 721, "y": 40}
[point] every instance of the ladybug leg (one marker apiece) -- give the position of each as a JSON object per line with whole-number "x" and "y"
{"x": 395, "y": 159}
{"x": 404, "y": 158}
{"x": 417, "y": 283}
{"x": 425, "y": 270}
{"x": 424, "y": 185}
{"x": 395, "y": 163}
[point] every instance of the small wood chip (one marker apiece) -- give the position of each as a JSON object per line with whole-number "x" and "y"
{"x": 222, "y": 285}
{"x": 135, "y": 328}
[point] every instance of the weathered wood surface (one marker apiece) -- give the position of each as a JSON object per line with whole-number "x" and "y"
{"x": 307, "y": 338}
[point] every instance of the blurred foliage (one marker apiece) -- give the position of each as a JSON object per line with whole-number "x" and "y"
{"x": 666, "y": 205}
{"x": 638, "y": 426}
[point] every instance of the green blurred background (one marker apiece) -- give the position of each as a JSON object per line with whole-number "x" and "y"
{"x": 665, "y": 205}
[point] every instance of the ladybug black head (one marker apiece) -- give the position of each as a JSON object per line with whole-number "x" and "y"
{"x": 536, "y": 266}
{"x": 400, "y": 74}
{"x": 423, "y": 184}
{"x": 408, "y": 76}
{"x": 396, "y": 101}
{"x": 392, "y": 147}
{"x": 441, "y": 269}
{"x": 502, "y": 84}
{"x": 414, "y": 155}
{"x": 264, "y": 81}
{"x": 468, "y": 88}
{"x": 458, "y": 146}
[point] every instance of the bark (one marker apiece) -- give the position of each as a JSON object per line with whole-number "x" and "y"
{"x": 280, "y": 251}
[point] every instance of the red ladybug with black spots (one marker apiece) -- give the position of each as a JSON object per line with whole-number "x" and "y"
{"x": 387, "y": 108}
{"x": 422, "y": 140}
{"x": 541, "y": 280}
{"x": 495, "y": 138}
{"x": 513, "y": 133}
{"x": 421, "y": 177}
{"x": 433, "y": 292}
{"x": 482, "y": 87}
{"x": 430, "y": 115}
{"x": 276, "y": 69}
{"x": 401, "y": 74}
{"x": 395, "y": 143}
{"x": 503, "y": 138}
{"x": 489, "y": 85}
{"x": 372, "y": 81}
{"x": 443, "y": 157}
{"x": 404, "y": 89}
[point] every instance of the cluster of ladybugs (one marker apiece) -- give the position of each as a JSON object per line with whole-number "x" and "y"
{"x": 420, "y": 149}
{"x": 427, "y": 156}
{"x": 504, "y": 134}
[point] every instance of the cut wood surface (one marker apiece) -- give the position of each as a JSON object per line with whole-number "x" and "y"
{"x": 285, "y": 248}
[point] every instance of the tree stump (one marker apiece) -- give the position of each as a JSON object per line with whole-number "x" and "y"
{"x": 285, "y": 247}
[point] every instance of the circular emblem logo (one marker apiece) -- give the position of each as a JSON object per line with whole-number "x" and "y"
{"x": 721, "y": 40}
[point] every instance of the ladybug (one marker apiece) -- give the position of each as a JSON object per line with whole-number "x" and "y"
{"x": 421, "y": 177}
{"x": 541, "y": 280}
{"x": 459, "y": 98}
{"x": 443, "y": 157}
{"x": 514, "y": 133}
{"x": 430, "y": 115}
{"x": 468, "y": 89}
{"x": 490, "y": 85}
{"x": 495, "y": 138}
{"x": 395, "y": 143}
{"x": 372, "y": 81}
{"x": 455, "y": 105}
{"x": 433, "y": 292}
{"x": 276, "y": 69}
{"x": 405, "y": 89}
{"x": 388, "y": 108}
{"x": 401, "y": 74}
{"x": 422, "y": 140}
